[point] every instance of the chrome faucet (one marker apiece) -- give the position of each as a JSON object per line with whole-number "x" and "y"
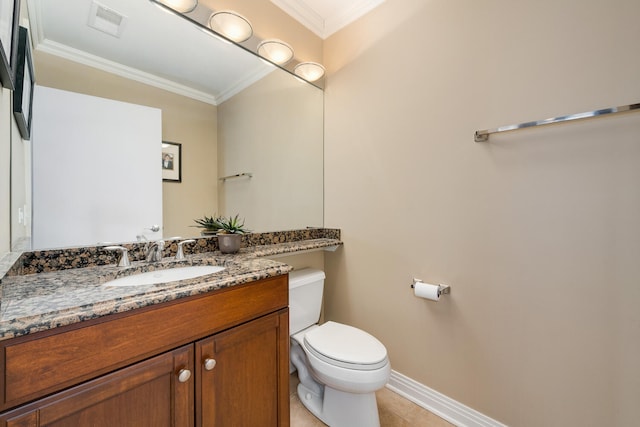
{"x": 124, "y": 258}
{"x": 153, "y": 250}
{"x": 142, "y": 238}
{"x": 180, "y": 253}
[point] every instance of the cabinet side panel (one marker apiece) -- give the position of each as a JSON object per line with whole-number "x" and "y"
{"x": 283, "y": 369}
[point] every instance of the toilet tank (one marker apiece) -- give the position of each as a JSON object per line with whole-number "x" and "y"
{"x": 305, "y": 298}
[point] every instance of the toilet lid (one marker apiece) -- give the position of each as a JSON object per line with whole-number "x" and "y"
{"x": 346, "y": 346}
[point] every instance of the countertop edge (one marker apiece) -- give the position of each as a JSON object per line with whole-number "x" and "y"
{"x": 20, "y": 326}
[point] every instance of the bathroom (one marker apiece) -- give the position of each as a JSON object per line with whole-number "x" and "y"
{"x": 536, "y": 230}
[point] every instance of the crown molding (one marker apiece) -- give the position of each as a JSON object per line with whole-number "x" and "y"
{"x": 130, "y": 73}
{"x": 324, "y": 27}
{"x": 240, "y": 85}
{"x": 42, "y": 44}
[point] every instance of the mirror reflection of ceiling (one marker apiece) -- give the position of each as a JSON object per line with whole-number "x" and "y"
{"x": 151, "y": 46}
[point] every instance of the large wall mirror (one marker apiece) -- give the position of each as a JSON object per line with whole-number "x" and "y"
{"x": 231, "y": 112}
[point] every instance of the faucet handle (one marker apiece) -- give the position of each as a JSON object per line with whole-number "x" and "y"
{"x": 180, "y": 253}
{"x": 124, "y": 259}
{"x": 154, "y": 250}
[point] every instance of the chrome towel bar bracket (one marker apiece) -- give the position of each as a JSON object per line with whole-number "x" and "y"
{"x": 238, "y": 175}
{"x": 483, "y": 135}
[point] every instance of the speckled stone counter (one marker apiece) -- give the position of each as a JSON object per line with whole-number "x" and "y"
{"x": 57, "y": 297}
{"x": 42, "y": 261}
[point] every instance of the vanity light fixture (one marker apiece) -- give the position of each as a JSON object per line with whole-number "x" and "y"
{"x": 310, "y": 71}
{"x": 275, "y": 51}
{"x": 231, "y": 25}
{"x": 182, "y": 6}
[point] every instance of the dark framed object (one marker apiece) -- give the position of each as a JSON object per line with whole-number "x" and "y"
{"x": 171, "y": 161}
{"x": 9, "y": 16}
{"x": 23, "y": 93}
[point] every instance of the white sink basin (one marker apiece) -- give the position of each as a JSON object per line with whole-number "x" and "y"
{"x": 165, "y": 276}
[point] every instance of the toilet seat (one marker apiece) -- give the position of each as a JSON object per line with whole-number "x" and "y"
{"x": 346, "y": 347}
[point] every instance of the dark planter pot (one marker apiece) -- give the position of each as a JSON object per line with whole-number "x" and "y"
{"x": 229, "y": 243}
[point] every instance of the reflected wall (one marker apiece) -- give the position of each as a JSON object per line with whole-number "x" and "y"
{"x": 273, "y": 131}
{"x": 186, "y": 121}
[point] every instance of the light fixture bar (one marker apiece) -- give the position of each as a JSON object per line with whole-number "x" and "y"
{"x": 216, "y": 25}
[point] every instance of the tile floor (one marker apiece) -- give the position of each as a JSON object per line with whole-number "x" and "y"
{"x": 395, "y": 411}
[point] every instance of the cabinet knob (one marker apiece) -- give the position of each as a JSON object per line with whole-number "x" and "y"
{"x": 209, "y": 364}
{"x": 184, "y": 375}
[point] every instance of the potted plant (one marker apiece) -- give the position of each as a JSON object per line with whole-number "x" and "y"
{"x": 209, "y": 225}
{"x": 230, "y": 234}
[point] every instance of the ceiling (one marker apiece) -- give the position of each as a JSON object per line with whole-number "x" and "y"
{"x": 154, "y": 47}
{"x": 325, "y": 17}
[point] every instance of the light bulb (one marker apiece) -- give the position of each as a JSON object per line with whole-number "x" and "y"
{"x": 182, "y": 6}
{"x": 310, "y": 71}
{"x": 231, "y": 25}
{"x": 275, "y": 51}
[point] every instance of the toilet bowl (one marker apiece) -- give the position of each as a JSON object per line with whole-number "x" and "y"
{"x": 340, "y": 367}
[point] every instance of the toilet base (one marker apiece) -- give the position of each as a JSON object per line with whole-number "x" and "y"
{"x": 340, "y": 409}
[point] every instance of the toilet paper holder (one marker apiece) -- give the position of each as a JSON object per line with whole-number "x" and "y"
{"x": 442, "y": 289}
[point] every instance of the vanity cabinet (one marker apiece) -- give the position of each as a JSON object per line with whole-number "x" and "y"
{"x": 220, "y": 359}
{"x": 249, "y": 399}
{"x": 145, "y": 394}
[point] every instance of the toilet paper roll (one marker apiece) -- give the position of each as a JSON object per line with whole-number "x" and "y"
{"x": 426, "y": 290}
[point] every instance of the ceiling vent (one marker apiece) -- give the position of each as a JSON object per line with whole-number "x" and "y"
{"x": 105, "y": 19}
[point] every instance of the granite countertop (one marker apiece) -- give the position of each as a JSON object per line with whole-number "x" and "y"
{"x": 36, "y": 302}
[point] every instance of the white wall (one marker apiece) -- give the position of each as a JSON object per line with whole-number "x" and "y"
{"x": 537, "y": 231}
{"x": 20, "y": 191}
{"x": 5, "y": 170}
{"x": 107, "y": 154}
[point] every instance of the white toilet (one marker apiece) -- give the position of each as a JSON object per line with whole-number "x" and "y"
{"x": 340, "y": 367}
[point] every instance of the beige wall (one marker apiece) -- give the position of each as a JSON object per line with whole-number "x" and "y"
{"x": 186, "y": 121}
{"x": 536, "y": 231}
{"x": 273, "y": 129}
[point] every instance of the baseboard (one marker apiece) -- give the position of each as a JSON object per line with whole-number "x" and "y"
{"x": 441, "y": 405}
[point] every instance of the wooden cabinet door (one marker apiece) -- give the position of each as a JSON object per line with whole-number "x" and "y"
{"x": 147, "y": 394}
{"x": 248, "y": 384}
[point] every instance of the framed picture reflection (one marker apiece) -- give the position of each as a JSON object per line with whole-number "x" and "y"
{"x": 9, "y": 15}
{"x": 171, "y": 161}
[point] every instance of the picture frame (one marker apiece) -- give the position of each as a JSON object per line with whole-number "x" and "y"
{"x": 171, "y": 161}
{"x": 24, "y": 83}
{"x": 9, "y": 17}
